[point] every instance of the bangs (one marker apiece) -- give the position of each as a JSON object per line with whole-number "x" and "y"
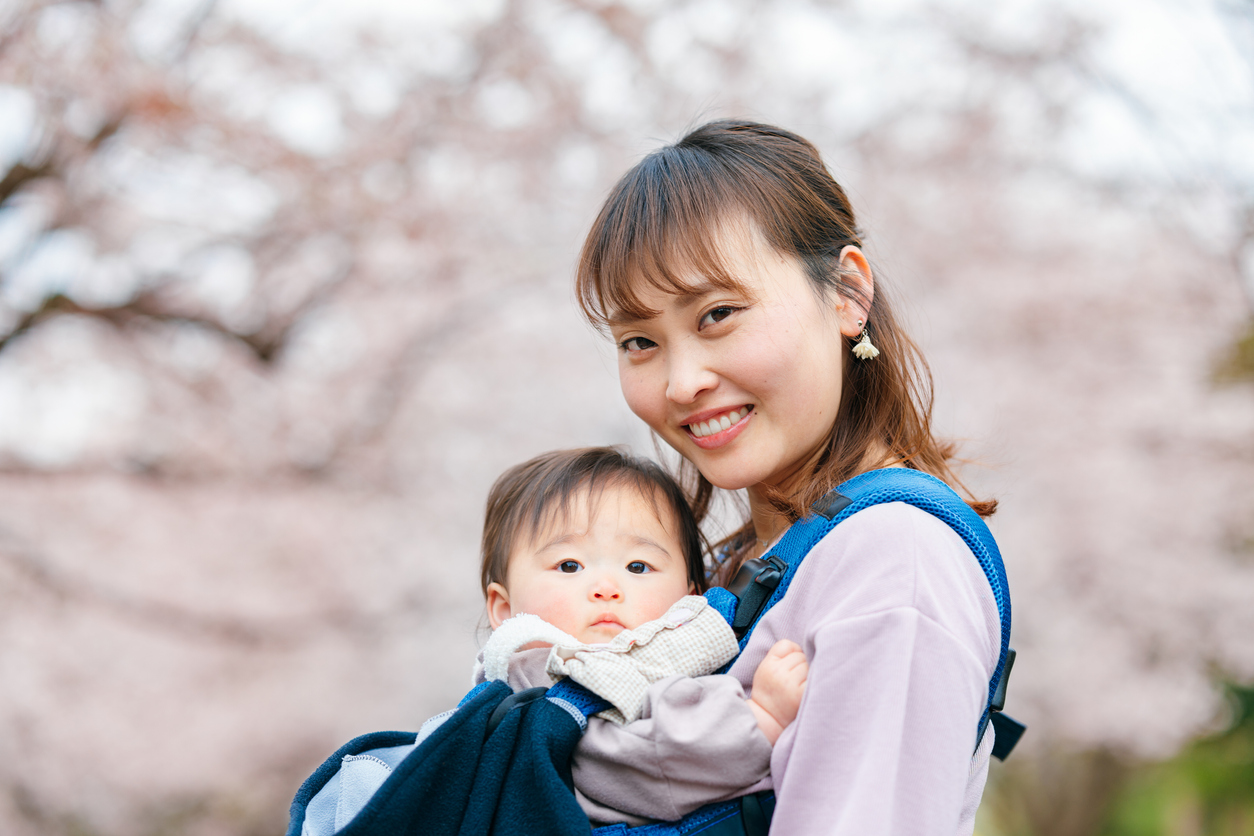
{"x": 662, "y": 228}
{"x": 553, "y": 503}
{"x": 666, "y": 224}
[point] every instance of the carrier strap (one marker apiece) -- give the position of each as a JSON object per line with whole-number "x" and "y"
{"x": 875, "y": 487}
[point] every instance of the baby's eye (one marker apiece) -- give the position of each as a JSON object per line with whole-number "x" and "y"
{"x": 639, "y": 567}
{"x": 637, "y": 344}
{"x": 569, "y": 566}
{"x": 716, "y": 315}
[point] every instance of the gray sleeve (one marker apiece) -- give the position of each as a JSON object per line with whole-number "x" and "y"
{"x": 696, "y": 742}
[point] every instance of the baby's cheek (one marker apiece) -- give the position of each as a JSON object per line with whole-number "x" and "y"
{"x": 558, "y": 612}
{"x": 656, "y": 602}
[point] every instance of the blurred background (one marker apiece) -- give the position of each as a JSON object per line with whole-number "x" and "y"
{"x": 284, "y": 285}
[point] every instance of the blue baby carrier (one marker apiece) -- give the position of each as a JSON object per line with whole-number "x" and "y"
{"x": 499, "y": 764}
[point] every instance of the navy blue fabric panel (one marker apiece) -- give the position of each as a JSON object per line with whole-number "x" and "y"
{"x": 455, "y": 783}
{"x": 324, "y": 773}
{"x": 429, "y": 791}
{"x": 536, "y": 792}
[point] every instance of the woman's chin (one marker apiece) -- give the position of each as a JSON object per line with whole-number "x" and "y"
{"x": 726, "y": 475}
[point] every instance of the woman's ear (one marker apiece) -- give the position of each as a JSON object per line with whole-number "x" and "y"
{"x": 498, "y": 604}
{"x": 855, "y": 271}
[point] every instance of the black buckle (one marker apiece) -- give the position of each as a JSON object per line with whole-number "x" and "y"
{"x": 1006, "y": 733}
{"x": 1006, "y": 730}
{"x": 999, "y": 696}
{"x": 753, "y": 585}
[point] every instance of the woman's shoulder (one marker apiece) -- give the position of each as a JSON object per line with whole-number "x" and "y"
{"x": 889, "y": 538}
{"x": 892, "y": 556}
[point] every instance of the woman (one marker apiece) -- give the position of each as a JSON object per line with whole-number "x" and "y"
{"x": 753, "y": 339}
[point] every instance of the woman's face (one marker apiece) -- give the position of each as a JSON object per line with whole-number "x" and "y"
{"x": 744, "y": 384}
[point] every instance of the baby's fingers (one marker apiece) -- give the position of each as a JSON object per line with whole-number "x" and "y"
{"x": 786, "y": 656}
{"x": 783, "y": 647}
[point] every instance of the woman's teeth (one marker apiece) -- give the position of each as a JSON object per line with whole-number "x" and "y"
{"x": 715, "y": 425}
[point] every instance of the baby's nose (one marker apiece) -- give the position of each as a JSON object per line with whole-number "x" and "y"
{"x": 606, "y": 592}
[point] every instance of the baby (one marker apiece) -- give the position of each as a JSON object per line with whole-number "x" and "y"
{"x": 604, "y": 548}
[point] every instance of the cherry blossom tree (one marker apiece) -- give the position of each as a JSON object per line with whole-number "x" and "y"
{"x": 284, "y": 287}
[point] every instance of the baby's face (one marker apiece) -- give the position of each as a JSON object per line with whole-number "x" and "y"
{"x": 597, "y": 572}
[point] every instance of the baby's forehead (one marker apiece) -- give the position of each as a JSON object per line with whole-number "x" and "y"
{"x": 573, "y": 512}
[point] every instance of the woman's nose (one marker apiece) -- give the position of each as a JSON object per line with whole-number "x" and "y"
{"x": 688, "y": 376}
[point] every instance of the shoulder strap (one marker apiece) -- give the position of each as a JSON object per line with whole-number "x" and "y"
{"x": 764, "y": 581}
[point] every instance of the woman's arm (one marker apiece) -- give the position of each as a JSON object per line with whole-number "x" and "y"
{"x": 902, "y": 635}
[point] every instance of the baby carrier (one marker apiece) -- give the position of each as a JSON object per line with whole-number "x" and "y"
{"x": 499, "y": 764}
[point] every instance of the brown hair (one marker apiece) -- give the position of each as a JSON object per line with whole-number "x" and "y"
{"x": 660, "y": 226}
{"x": 533, "y": 494}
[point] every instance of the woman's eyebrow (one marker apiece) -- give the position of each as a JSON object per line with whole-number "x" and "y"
{"x": 687, "y": 297}
{"x": 622, "y": 319}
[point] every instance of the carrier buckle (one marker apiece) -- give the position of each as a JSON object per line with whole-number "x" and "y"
{"x": 753, "y": 586}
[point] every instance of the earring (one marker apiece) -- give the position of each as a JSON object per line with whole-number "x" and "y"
{"x": 864, "y": 350}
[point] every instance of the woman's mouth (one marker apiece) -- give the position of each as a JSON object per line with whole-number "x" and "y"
{"x": 719, "y": 429}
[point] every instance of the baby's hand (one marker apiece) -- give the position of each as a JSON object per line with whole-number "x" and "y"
{"x": 777, "y": 687}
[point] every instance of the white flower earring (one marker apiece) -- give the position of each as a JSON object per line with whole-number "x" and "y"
{"x": 864, "y": 350}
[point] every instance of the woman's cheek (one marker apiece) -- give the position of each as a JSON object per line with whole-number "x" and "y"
{"x": 644, "y": 397}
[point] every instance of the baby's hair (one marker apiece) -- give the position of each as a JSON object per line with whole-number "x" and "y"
{"x": 531, "y": 495}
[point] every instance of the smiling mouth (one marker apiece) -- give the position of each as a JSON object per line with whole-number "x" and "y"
{"x": 716, "y": 425}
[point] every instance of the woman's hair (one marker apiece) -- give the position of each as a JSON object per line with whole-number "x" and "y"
{"x": 536, "y": 493}
{"x": 661, "y": 227}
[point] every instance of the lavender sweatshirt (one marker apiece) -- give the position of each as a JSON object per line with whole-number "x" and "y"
{"x": 902, "y": 634}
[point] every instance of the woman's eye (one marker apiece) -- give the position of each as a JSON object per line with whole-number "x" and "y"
{"x": 569, "y": 566}
{"x": 636, "y": 344}
{"x": 639, "y": 567}
{"x": 715, "y": 315}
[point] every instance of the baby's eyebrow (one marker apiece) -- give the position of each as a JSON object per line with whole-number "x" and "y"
{"x": 645, "y": 541}
{"x": 563, "y": 540}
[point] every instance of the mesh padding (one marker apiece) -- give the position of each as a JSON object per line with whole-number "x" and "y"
{"x": 578, "y": 696}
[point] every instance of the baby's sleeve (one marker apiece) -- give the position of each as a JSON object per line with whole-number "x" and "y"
{"x": 696, "y": 742}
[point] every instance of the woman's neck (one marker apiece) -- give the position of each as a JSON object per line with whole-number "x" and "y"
{"x": 769, "y": 523}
